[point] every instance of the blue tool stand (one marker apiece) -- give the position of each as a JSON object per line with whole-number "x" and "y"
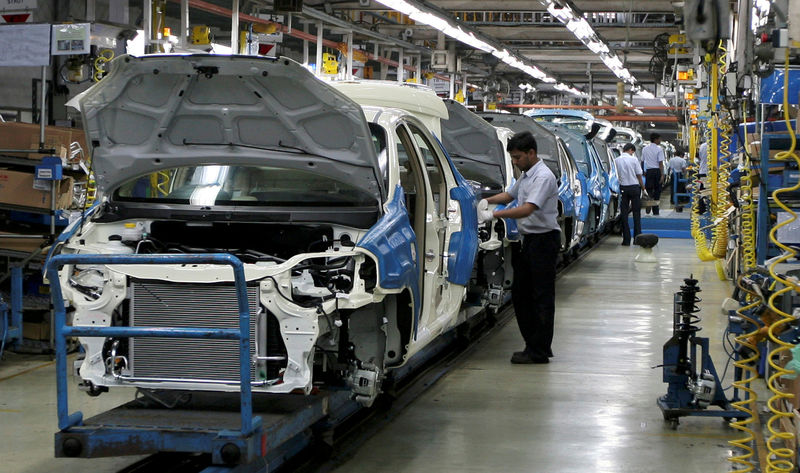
{"x": 231, "y": 435}
{"x": 681, "y": 363}
{"x": 11, "y": 317}
{"x": 678, "y": 178}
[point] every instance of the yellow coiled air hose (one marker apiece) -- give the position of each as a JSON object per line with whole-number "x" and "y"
{"x": 700, "y": 241}
{"x": 748, "y": 216}
{"x": 159, "y": 184}
{"x": 720, "y": 244}
{"x": 781, "y": 458}
{"x": 749, "y": 374}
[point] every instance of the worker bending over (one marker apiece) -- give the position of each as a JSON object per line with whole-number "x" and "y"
{"x": 534, "y": 289}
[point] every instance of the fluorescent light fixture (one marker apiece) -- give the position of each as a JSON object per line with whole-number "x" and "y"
{"x": 664, "y": 101}
{"x": 644, "y": 94}
{"x": 566, "y": 88}
{"x": 637, "y": 111}
{"x": 443, "y": 24}
{"x": 582, "y": 30}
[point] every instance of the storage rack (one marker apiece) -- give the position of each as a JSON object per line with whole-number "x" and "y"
{"x": 767, "y": 208}
{"x": 11, "y": 319}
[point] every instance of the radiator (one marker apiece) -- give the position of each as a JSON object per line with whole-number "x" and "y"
{"x": 187, "y": 305}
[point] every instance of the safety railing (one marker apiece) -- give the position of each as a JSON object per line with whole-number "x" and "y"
{"x": 62, "y": 330}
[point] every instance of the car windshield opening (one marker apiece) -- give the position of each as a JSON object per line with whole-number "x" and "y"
{"x": 259, "y": 186}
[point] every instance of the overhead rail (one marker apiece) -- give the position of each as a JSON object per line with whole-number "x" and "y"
{"x": 587, "y": 107}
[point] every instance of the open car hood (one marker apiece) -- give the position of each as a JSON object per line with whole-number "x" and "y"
{"x": 473, "y": 143}
{"x": 159, "y": 112}
{"x": 545, "y": 139}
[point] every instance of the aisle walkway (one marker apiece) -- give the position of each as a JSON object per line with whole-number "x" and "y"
{"x": 592, "y": 409}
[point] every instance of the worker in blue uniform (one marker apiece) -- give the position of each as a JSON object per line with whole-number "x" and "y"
{"x": 653, "y": 159}
{"x": 534, "y": 290}
{"x": 631, "y": 189}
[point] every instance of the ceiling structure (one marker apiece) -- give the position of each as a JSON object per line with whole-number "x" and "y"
{"x": 524, "y": 27}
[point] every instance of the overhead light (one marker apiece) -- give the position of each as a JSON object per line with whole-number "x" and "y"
{"x": 572, "y": 90}
{"x": 637, "y": 111}
{"x": 582, "y": 30}
{"x": 419, "y": 14}
{"x": 642, "y": 93}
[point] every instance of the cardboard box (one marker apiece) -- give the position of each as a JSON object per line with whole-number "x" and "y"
{"x": 24, "y": 245}
{"x": 25, "y": 136}
{"x": 17, "y": 188}
{"x": 36, "y": 330}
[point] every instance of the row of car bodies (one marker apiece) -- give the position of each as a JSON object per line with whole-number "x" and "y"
{"x": 357, "y": 230}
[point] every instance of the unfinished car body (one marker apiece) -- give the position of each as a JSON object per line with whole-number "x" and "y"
{"x": 480, "y": 156}
{"x": 353, "y": 261}
{"x": 573, "y": 200}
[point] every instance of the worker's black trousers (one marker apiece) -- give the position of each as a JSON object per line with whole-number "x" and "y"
{"x": 534, "y": 290}
{"x": 652, "y": 184}
{"x": 630, "y": 201}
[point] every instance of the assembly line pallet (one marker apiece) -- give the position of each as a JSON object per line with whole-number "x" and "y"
{"x": 202, "y": 421}
{"x": 216, "y": 432}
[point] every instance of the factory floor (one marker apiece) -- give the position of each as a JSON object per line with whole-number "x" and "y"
{"x": 592, "y": 409}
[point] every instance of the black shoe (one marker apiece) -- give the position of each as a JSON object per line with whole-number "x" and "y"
{"x": 647, "y": 211}
{"x": 626, "y": 243}
{"x": 523, "y": 358}
{"x": 549, "y": 353}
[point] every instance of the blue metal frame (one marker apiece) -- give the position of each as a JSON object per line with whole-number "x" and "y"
{"x": 12, "y": 316}
{"x": 763, "y": 223}
{"x": 65, "y": 420}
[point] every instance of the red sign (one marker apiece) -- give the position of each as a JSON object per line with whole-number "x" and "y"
{"x": 16, "y": 17}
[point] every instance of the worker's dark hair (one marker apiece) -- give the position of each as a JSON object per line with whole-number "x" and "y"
{"x": 523, "y": 141}
{"x": 629, "y": 147}
{"x": 654, "y": 136}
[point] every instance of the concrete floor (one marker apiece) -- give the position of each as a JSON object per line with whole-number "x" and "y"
{"x": 592, "y": 409}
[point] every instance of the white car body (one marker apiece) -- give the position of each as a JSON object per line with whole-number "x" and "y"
{"x": 320, "y": 292}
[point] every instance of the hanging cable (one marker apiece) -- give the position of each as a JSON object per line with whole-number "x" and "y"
{"x": 781, "y": 458}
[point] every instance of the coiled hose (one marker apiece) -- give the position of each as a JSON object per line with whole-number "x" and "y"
{"x": 700, "y": 241}
{"x": 749, "y": 374}
{"x": 720, "y": 232}
{"x": 781, "y": 458}
{"x": 748, "y": 215}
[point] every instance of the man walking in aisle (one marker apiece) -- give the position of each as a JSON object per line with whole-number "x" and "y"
{"x": 631, "y": 188}
{"x": 534, "y": 290}
{"x": 653, "y": 158}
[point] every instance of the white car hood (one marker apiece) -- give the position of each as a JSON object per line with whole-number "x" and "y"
{"x": 159, "y": 112}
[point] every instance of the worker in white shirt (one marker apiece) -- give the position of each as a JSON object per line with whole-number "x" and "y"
{"x": 653, "y": 158}
{"x": 631, "y": 188}
{"x": 702, "y": 155}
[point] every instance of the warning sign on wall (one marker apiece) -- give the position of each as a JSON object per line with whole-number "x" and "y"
{"x": 17, "y": 5}
{"x": 16, "y": 17}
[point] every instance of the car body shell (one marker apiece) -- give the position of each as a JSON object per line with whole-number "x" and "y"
{"x": 370, "y": 276}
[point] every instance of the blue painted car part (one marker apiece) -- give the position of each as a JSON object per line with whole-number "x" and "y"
{"x": 464, "y": 243}
{"x": 65, "y": 420}
{"x": 772, "y": 87}
{"x": 394, "y": 244}
{"x": 586, "y": 116}
{"x": 11, "y": 315}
